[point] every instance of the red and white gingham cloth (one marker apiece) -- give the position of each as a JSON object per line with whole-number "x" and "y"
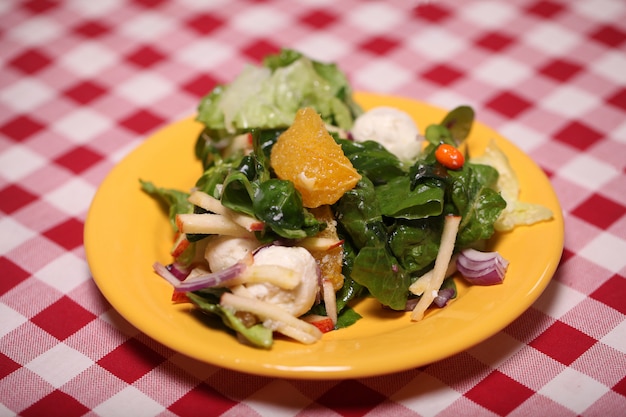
{"x": 84, "y": 82}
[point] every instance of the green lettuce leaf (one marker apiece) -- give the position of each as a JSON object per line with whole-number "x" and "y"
{"x": 268, "y": 96}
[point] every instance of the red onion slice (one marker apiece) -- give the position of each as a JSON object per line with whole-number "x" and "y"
{"x": 165, "y": 273}
{"x": 482, "y": 268}
{"x": 443, "y": 296}
{"x": 213, "y": 279}
{"x": 178, "y": 270}
{"x": 198, "y": 282}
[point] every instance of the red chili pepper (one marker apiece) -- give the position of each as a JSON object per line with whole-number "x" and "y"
{"x": 325, "y": 325}
{"x": 180, "y": 297}
{"x": 449, "y": 156}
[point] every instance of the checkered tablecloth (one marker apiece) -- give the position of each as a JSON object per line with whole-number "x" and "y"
{"x": 84, "y": 82}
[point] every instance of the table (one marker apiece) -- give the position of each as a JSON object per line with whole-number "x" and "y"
{"x": 83, "y": 83}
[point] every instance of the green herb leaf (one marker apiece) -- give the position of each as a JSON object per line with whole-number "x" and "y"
{"x": 459, "y": 123}
{"x": 175, "y": 200}
{"x": 257, "y": 335}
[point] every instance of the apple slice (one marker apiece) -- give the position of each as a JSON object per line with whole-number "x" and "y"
{"x": 209, "y": 203}
{"x": 210, "y": 224}
{"x": 323, "y": 323}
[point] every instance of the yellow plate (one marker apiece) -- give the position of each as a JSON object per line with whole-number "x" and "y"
{"x": 126, "y": 231}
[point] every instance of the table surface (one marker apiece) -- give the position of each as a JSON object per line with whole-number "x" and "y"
{"x": 83, "y": 83}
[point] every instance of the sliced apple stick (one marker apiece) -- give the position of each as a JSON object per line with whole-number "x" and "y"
{"x": 280, "y": 320}
{"x": 446, "y": 247}
{"x": 209, "y": 203}
{"x": 296, "y": 333}
{"x": 272, "y": 274}
{"x": 421, "y": 284}
{"x": 247, "y": 222}
{"x": 330, "y": 300}
{"x": 180, "y": 245}
{"x": 241, "y": 291}
{"x": 211, "y": 224}
{"x": 205, "y": 201}
{"x": 319, "y": 243}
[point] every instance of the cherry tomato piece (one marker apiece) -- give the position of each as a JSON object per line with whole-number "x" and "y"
{"x": 449, "y": 156}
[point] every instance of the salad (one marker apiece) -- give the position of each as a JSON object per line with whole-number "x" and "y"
{"x": 307, "y": 204}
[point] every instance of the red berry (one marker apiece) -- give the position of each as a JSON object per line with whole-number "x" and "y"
{"x": 449, "y": 156}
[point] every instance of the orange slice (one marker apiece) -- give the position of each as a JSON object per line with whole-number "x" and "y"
{"x": 307, "y": 155}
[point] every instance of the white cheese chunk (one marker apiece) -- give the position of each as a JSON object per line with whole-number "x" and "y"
{"x": 392, "y": 128}
{"x": 296, "y": 301}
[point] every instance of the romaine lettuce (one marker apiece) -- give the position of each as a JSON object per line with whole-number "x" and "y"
{"x": 268, "y": 96}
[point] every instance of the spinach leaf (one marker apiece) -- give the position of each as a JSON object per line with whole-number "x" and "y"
{"x": 263, "y": 140}
{"x": 372, "y": 160}
{"x": 347, "y": 317}
{"x": 398, "y": 199}
{"x": 358, "y": 213}
{"x": 351, "y": 290}
{"x": 415, "y": 243}
{"x": 374, "y": 266}
{"x": 378, "y": 270}
{"x": 473, "y": 197}
{"x": 279, "y": 205}
{"x": 236, "y": 193}
{"x": 262, "y": 143}
{"x": 423, "y": 171}
{"x": 240, "y": 184}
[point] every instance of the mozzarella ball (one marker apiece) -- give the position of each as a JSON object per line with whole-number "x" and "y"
{"x": 296, "y": 301}
{"x": 392, "y": 128}
{"x": 224, "y": 251}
